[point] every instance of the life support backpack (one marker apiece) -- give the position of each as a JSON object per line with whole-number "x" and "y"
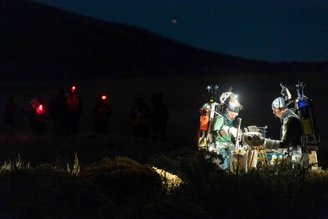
{"x": 303, "y": 105}
{"x": 204, "y": 119}
{"x": 207, "y": 113}
{"x": 303, "y": 108}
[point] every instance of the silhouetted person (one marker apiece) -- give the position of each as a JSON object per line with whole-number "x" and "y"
{"x": 101, "y": 113}
{"x": 159, "y": 117}
{"x": 73, "y": 111}
{"x": 10, "y": 115}
{"x": 140, "y": 118}
{"x": 39, "y": 116}
{"x": 57, "y": 107}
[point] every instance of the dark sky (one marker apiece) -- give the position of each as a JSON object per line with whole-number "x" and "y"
{"x": 270, "y": 30}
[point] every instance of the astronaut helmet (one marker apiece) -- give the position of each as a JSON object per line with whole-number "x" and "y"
{"x": 279, "y": 103}
{"x": 229, "y": 101}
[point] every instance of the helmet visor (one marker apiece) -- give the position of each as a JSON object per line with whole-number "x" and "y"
{"x": 234, "y": 107}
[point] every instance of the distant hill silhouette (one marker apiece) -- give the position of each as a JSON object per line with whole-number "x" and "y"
{"x": 39, "y": 41}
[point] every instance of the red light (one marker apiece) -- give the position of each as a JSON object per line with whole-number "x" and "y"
{"x": 40, "y": 109}
{"x": 73, "y": 89}
{"x": 103, "y": 97}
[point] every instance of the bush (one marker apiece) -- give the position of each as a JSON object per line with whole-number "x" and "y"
{"x": 124, "y": 180}
{"x": 124, "y": 188}
{"x": 285, "y": 190}
{"x": 45, "y": 192}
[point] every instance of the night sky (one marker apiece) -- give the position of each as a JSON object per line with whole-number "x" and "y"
{"x": 269, "y": 30}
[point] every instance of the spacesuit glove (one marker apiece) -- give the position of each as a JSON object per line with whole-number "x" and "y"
{"x": 270, "y": 143}
{"x": 234, "y": 131}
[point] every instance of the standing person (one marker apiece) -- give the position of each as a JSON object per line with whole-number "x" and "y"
{"x": 140, "y": 118}
{"x": 39, "y": 116}
{"x": 224, "y": 132}
{"x": 290, "y": 133}
{"x": 10, "y": 115}
{"x": 101, "y": 113}
{"x": 73, "y": 110}
{"x": 57, "y": 111}
{"x": 160, "y": 116}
